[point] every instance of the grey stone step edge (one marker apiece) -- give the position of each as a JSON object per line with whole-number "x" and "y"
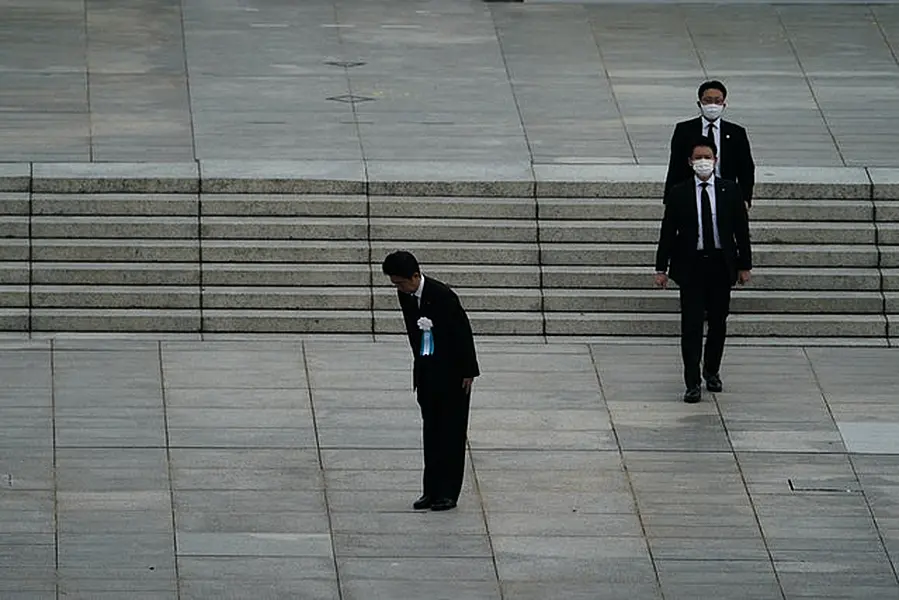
{"x": 423, "y": 178}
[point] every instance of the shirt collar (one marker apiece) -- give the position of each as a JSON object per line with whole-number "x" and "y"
{"x": 699, "y": 182}
{"x": 706, "y": 123}
{"x": 421, "y": 286}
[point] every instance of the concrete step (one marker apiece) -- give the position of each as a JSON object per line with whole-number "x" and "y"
{"x": 12, "y": 249}
{"x": 770, "y": 232}
{"x": 116, "y": 204}
{"x": 891, "y": 302}
{"x": 763, "y": 278}
{"x": 287, "y": 321}
{"x": 887, "y": 211}
{"x": 638, "y": 209}
{"x": 115, "y": 320}
{"x": 287, "y": 298}
{"x": 476, "y": 299}
{"x": 889, "y": 256}
{"x": 138, "y": 227}
{"x": 286, "y": 251}
{"x": 888, "y": 234}
{"x": 66, "y": 273}
{"x": 890, "y": 279}
{"x": 461, "y": 230}
{"x": 115, "y": 296}
{"x": 14, "y": 203}
{"x": 766, "y": 325}
{"x": 285, "y": 228}
{"x": 14, "y": 272}
{"x": 14, "y": 319}
{"x": 463, "y": 253}
{"x": 443, "y": 207}
{"x": 279, "y": 275}
{"x": 115, "y": 250}
{"x": 742, "y": 301}
{"x": 14, "y": 296}
{"x": 14, "y": 226}
{"x": 283, "y": 205}
{"x": 483, "y": 276}
{"x": 763, "y": 255}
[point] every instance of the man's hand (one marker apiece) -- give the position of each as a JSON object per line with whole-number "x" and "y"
{"x": 743, "y": 277}
{"x": 662, "y": 280}
{"x": 466, "y": 384}
{"x": 747, "y": 207}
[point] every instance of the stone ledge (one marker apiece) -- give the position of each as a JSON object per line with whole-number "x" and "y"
{"x": 282, "y": 177}
{"x": 425, "y": 178}
{"x": 101, "y": 178}
{"x": 15, "y": 177}
{"x": 431, "y": 178}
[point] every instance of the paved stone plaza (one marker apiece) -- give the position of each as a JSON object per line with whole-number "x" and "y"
{"x": 207, "y": 467}
{"x": 285, "y": 469}
{"x": 439, "y": 80}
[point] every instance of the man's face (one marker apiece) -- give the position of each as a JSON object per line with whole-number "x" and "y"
{"x": 407, "y": 285}
{"x": 702, "y": 152}
{"x": 712, "y": 96}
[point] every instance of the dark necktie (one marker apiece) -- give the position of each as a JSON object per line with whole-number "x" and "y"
{"x": 711, "y": 133}
{"x": 708, "y": 235}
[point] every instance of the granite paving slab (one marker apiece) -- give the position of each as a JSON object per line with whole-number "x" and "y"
{"x": 293, "y": 492}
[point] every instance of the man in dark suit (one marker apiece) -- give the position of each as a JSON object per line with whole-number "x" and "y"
{"x": 734, "y": 155}
{"x": 444, "y": 369}
{"x": 704, "y": 247}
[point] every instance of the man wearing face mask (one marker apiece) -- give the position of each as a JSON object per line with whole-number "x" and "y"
{"x": 704, "y": 247}
{"x": 734, "y": 154}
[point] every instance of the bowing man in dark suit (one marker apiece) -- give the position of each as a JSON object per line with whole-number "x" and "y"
{"x": 444, "y": 368}
{"x": 704, "y": 247}
{"x": 734, "y": 155}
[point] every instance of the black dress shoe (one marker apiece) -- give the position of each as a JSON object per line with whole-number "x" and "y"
{"x": 693, "y": 395}
{"x": 443, "y": 504}
{"x": 713, "y": 383}
{"x": 422, "y": 503}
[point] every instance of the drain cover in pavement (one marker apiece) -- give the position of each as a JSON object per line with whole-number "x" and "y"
{"x": 350, "y": 98}
{"x": 346, "y": 64}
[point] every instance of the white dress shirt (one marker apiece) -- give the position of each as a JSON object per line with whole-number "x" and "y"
{"x": 711, "y": 191}
{"x": 417, "y": 293}
{"x": 717, "y": 130}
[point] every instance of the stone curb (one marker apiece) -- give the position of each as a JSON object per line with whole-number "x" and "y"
{"x": 387, "y": 178}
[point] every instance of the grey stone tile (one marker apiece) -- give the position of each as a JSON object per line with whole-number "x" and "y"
{"x": 359, "y": 589}
{"x": 578, "y": 590}
{"x": 254, "y": 544}
{"x": 457, "y": 522}
{"x": 302, "y": 520}
{"x": 417, "y": 569}
{"x": 308, "y": 589}
{"x": 256, "y": 569}
{"x": 189, "y": 503}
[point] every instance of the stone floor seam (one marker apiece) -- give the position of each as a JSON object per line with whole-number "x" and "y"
{"x": 169, "y": 466}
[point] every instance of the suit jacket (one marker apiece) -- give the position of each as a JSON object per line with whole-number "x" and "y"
{"x": 677, "y": 254}
{"x": 736, "y": 156}
{"x": 454, "y": 355}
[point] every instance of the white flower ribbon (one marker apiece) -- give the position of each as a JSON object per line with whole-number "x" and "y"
{"x": 427, "y": 338}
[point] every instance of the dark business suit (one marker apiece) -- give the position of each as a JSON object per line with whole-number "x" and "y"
{"x": 705, "y": 277}
{"x": 438, "y": 381}
{"x": 735, "y": 155}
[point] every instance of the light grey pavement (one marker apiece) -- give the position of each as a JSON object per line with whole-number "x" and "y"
{"x": 439, "y": 80}
{"x": 285, "y": 469}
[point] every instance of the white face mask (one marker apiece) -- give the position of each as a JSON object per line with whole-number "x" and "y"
{"x": 711, "y": 111}
{"x": 703, "y": 167}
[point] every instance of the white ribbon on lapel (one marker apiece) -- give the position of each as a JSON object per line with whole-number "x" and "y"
{"x": 427, "y": 338}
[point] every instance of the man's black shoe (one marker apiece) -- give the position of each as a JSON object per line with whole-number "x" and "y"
{"x": 443, "y": 504}
{"x": 713, "y": 383}
{"x": 693, "y": 395}
{"x": 422, "y": 503}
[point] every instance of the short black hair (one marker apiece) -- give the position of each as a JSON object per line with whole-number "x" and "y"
{"x": 712, "y": 84}
{"x": 705, "y": 142}
{"x": 400, "y": 264}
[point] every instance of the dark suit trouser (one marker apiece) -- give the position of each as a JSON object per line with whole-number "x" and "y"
{"x": 707, "y": 295}
{"x": 444, "y": 414}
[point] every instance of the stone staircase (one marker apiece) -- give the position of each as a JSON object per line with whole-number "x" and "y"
{"x": 827, "y": 262}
